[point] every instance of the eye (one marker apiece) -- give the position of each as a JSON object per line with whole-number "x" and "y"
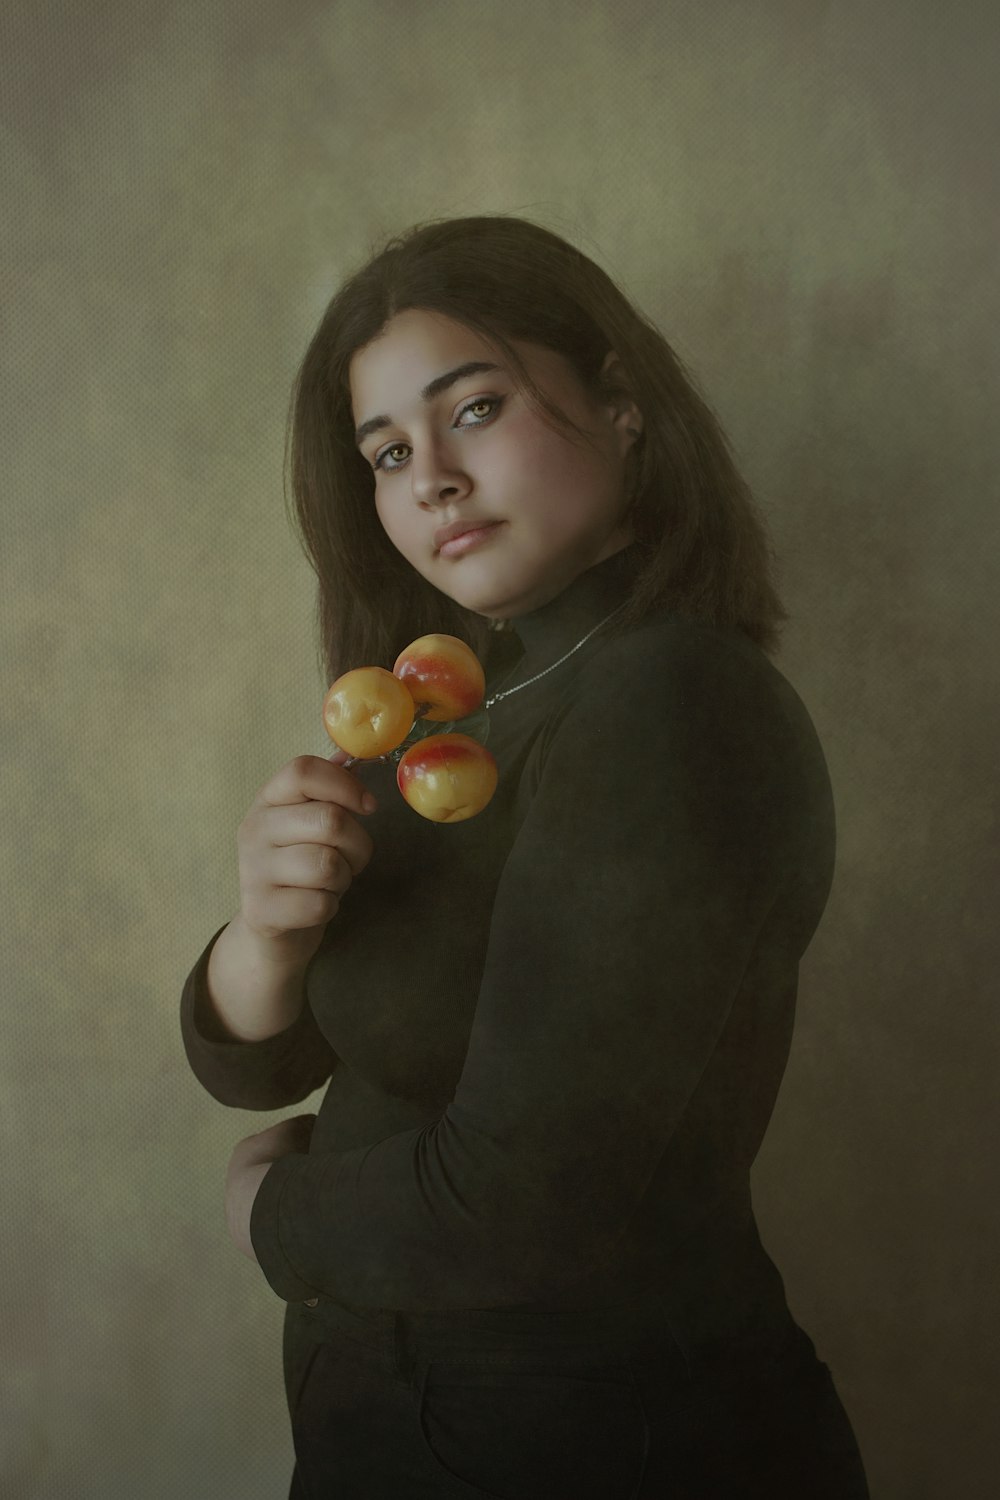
{"x": 493, "y": 405}
{"x": 492, "y": 402}
{"x": 380, "y": 459}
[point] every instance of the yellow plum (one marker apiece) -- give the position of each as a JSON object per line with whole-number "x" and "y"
{"x": 444, "y": 677}
{"x": 367, "y": 712}
{"x": 447, "y": 777}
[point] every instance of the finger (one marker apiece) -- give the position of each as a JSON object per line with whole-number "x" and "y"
{"x": 310, "y": 867}
{"x": 315, "y": 777}
{"x": 289, "y": 908}
{"x": 318, "y": 823}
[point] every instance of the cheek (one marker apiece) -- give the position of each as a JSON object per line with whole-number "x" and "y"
{"x": 562, "y": 484}
{"x": 391, "y": 520}
{"x": 530, "y": 448}
{"x": 546, "y": 461}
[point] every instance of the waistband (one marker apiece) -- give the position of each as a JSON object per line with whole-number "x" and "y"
{"x": 631, "y": 1327}
{"x": 715, "y": 1301}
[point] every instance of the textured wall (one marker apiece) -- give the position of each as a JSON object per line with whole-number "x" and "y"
{"x": 801, "y": 194}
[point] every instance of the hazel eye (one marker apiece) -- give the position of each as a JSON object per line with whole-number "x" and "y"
{"x": 493, "y": 405}
{"x": 483, "y": 401}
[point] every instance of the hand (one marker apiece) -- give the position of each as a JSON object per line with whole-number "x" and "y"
{"x": 300, "y": 846}
{"x": 249, "y": 1165}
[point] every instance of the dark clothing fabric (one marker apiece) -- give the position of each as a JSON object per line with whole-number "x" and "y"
{"x": 557, "y": 1406}
{"x": 554, "y": 1032}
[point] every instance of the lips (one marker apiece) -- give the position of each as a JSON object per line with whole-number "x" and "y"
{"x": 468, "y": 541}
{"x": 457, "y": 528}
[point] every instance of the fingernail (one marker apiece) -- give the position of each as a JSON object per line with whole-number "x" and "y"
{"x": 368, "y": 802}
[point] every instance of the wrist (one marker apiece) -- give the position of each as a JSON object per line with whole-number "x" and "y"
{"x": 256, "y": 987}
{"x": 287, "y": 953}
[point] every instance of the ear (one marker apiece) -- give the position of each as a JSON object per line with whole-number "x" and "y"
{"x": 626, "y": 418}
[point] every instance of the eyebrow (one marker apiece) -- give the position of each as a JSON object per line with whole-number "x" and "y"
{"x": 431, "y": 389}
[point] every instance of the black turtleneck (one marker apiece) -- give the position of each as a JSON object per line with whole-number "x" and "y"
{"x": 552, "y": 1035}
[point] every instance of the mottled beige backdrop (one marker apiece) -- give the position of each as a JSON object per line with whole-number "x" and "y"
{"x": 801, "y": 194}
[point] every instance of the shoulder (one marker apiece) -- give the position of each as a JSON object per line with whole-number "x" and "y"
{"x": 689, "y": 689}
{"x": 666, "y": 642}
{"x": 670, "y": 662}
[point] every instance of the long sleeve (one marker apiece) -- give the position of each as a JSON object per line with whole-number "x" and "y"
{"x": 269, "y": 1074}
{"x": 678, "y": 816}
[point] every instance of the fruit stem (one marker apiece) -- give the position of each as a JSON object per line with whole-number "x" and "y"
{"x": 370, "y": 760}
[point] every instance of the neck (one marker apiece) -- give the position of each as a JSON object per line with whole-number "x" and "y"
{"x": 545, "y": 633}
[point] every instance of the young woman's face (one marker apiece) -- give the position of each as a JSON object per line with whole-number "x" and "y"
{"x": 469, "y": 449}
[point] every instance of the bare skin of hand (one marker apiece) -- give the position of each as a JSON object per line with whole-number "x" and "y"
{"x": 249, "y": 1165}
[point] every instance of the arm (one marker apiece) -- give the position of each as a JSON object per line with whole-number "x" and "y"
{"x": 268, "y": 1073}
{"x": 649, "y": 861}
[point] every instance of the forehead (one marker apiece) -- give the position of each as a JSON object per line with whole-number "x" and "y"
{"x": 412, "y": 347}
{"x": 416, "y": 345}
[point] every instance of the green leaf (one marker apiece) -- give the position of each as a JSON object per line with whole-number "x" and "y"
{"x": 477, "y": 725}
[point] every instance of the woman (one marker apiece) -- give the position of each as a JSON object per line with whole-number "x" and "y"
{"x": 517, "y": 1244}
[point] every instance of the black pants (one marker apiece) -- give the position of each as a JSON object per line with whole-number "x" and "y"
{"x": 528, "y": 1405}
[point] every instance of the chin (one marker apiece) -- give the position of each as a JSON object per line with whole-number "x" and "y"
{"x": 479, "y": 596}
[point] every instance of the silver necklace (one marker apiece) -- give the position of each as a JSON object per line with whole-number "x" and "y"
{"x": 507, "y": 691}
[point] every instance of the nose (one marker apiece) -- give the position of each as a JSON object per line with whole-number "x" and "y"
{"x": 436, "y": 475}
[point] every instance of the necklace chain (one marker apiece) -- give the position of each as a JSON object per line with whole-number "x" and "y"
{"x": 507, "y": 691}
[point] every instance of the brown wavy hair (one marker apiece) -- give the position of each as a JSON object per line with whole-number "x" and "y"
{"x": 704, "y": 546}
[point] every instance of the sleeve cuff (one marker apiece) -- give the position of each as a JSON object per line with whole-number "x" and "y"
{"x": 265, "y": 1236}
{"x": 268, "y": 1074}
